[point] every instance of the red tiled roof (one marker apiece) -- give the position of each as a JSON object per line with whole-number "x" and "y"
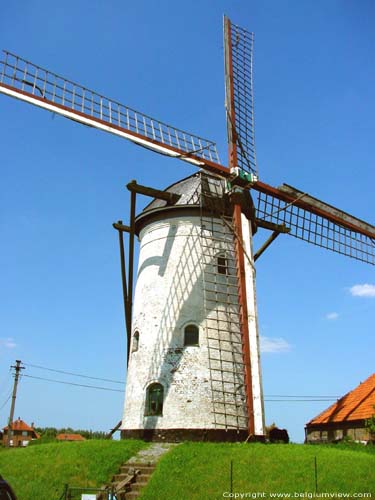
{"x": 356, "y": 405}
{"x": 19, "y": 425}
{"x": 70, "y": 437}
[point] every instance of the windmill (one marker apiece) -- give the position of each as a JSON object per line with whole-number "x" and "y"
{"x": 213, "y": 386}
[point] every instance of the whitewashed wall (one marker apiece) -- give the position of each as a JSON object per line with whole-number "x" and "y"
{"x": 168, "y": 296}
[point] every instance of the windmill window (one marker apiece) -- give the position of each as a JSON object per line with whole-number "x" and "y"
{"x": 191, "y": 335}
{"x": 154, "y": 400}
{"x": 135, "y": 345}
{"x": 222, "y": 264}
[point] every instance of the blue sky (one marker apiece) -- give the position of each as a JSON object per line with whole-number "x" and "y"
{"x": 62, "y": 186}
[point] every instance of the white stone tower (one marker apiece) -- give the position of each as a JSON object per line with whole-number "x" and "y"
{"x": 186, "y": 367}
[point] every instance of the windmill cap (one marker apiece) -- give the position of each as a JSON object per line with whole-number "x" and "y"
{"x": 189, "y": 189}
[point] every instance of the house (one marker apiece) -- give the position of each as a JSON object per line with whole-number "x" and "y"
{"x": 69, "y": 437}
{"x": 20, "y": 433}
{"x": 345, "y": 418}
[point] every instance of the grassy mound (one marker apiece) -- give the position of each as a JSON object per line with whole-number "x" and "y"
{"x": 40, "y": 472}
{"x": 202, "y": 471}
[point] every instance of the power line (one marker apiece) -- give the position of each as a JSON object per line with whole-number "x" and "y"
{"x": 286, "y": 398}
{"x": 118, "y": 390}
{"x": 280, "y": 396}
{"x": 6, "y": 391}
{"x": 75, "y": 374}
{"x": 9, "y": 396}
{"x": 7, "y": 386}
{"x": 297, "y": 400}
{"x": 72, "y": 383}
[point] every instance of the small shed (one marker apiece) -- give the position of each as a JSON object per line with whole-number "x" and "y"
{"x": 345, "y": 418}
{"x": 69, "y": 437}
{"x": 20, "y": 433}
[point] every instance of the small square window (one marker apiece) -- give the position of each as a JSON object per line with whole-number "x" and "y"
{"x": 135, "y": 345}
{"x": 154, "y": 400}
{"x": 222, "y": 265}
{"x": 191, "y": 336}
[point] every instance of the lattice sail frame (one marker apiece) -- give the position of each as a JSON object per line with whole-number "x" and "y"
{"x": 239, "y": 49}
{"x": 306, "y": 217}
{"x": 24, "y": 80}
{"x": 318, "y": 223}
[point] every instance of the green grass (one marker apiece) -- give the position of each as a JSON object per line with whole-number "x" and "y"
{"x": 40, "y": 472}
{"x": 202, "y": 470}
{"x": 192, "y": 470}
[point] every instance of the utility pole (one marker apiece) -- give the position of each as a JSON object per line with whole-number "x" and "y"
{"x": 17, "y": 367}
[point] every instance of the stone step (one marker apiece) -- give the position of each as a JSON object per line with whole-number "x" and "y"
{"x": 132, "y": 494}
{"x": 145, "y": 464}
{"x": 120, "y": 477}
{"x": 116, "y": 484}
{"x": 138, "y": 466}
{"x": 140, "y": 472}
{"x": 138, "y": 485}
{"x": 144, "y": 470}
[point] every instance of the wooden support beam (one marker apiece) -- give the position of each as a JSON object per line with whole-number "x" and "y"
{"x": 125, "y": 295}
{"x": 133, "y": 197}
{"x": 112, "y": 431}
{"x": 264, "y": 247}
{"x": 121, "y": 227}
{"x": 170, "y": 198}
{"x": 280, "y": 228}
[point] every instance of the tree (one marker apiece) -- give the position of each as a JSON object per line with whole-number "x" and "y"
{"x": 370, "y": 425}
{"x": 50, "y": 433}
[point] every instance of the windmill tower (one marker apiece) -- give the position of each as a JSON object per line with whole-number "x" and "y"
{"x": 193, "y": 352}
{"x": 186, "y": 368}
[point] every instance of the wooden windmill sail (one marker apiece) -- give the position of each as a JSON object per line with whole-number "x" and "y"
{"x": 281, "y": 209}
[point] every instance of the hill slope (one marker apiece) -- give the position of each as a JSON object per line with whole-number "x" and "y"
{"x": 202, "y": 471}
{"x": 194, "y": 470}
{"x": 40, "y": 472}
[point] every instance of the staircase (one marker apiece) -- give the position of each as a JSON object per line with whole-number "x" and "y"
{"x": 131, "y": 479}
{"x": 136, "y": 472}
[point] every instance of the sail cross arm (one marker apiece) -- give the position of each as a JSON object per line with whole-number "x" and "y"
{"x": 303, "y": 200}
{"x": 315, "y": 221}
{"x": 239, "y": 93}
{"x": 26, "y": 81}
